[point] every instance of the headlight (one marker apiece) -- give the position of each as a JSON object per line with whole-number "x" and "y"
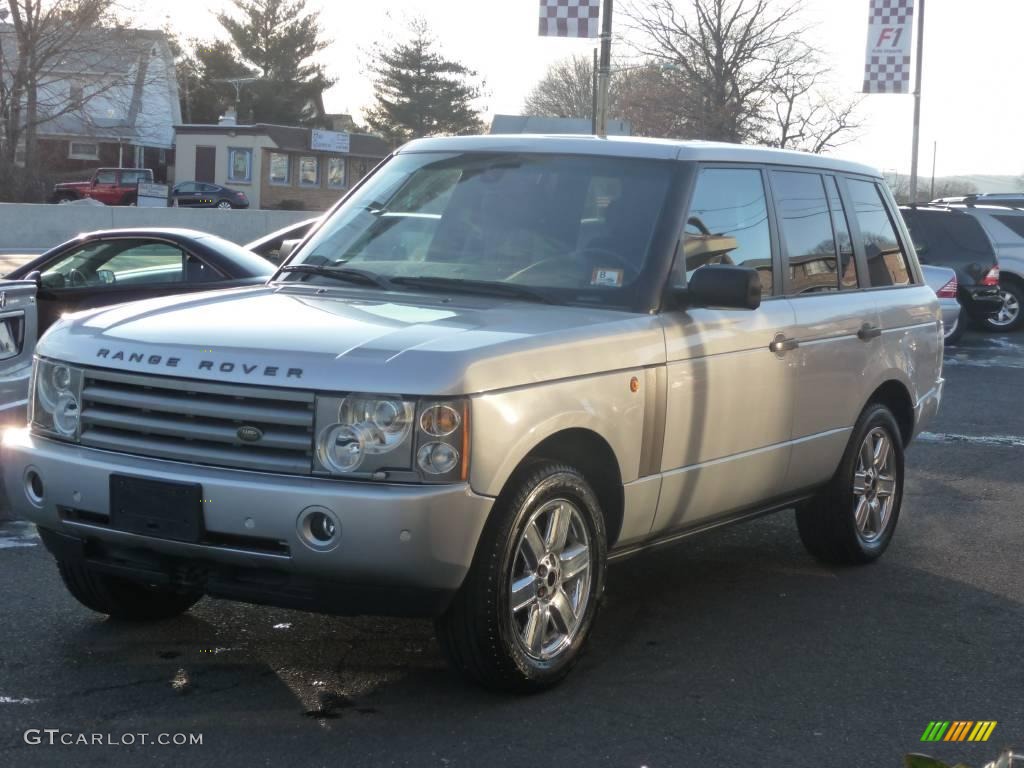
{"x": 56, "y": 399}
{"x": 393, "y": 438}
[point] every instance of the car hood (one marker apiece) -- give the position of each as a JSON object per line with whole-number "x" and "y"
{"x": 299, "y": 337}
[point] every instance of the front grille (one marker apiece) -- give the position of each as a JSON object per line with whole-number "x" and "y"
{"x": 198, "y": 422}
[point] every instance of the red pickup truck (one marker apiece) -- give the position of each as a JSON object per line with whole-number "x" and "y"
{"x": 112, "y": 186}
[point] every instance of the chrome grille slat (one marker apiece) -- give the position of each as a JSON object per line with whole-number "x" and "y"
{"x": 187, "y": 405}
{"x": 189, "y": 429}
{"x": 197, "y": 421}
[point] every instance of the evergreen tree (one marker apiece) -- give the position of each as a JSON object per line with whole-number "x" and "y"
{"x": 278, "y": 39}
{"x": 418, "y": 92}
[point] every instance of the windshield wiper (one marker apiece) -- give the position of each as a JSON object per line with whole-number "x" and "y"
{"x": 345, "y": 274}
{"x": 482, "y": 287}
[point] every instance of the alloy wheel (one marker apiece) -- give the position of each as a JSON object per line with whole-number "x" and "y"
{"x": 550, "y": 580}
{"x": 874, "y": 485}
{"x": 1007, "y": 313}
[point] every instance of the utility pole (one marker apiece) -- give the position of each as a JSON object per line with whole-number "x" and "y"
{"x": 935, "y": 151}
{"x": 605, "y": 72}
{"x": 917, "y": 101}
{"x": 593, "y": 121}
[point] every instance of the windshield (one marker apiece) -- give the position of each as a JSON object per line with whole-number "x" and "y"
{"x": 568, "y": 229}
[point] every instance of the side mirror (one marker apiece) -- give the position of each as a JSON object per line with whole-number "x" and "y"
{"x": 36, "y": 277}
{"x": 106, "y": 276}
{"x": 721, "y": 286}
{"x": 287, "y": 246}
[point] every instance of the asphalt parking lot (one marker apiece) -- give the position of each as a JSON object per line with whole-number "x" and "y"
{"x": 731, "y": 649}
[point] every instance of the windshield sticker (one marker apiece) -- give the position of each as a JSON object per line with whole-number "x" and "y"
{"x": 607, "y": 277}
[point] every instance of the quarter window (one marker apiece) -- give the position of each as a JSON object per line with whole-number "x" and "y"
{"x": 806, "y": 225}
{"x": 848, "y": 279}
{"x": 728, "y": 224}
{"x": 887, "y": 264}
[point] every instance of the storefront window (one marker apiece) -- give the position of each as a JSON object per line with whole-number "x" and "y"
{"x": 239, "y": 165}
{"x": 278, "y": 168}
{"x": 336, "y": 172}
{"x": 309, "y": 171}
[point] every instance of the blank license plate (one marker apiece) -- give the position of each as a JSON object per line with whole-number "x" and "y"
{"x": 157, "y": 508}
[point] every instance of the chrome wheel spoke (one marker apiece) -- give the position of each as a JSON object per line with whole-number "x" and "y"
{"x": 533, "y": 633}
{"x": 562, "y": 612}
{"x": 860, "y": 514}
{"x": 574, "y": 561}
{"x": 881, "y": 456}
{"x": 875, "y": 516}
{"x": 524, "y": 592}
{"x": 867, "y": 455}
{"x": 886, "y": 486}
{"x": 860, "y": 483}
{"x": 532, "y": 546}
{"x": 558, "y": 528}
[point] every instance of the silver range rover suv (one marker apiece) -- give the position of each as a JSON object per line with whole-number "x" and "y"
{"x": 498, "y": 364}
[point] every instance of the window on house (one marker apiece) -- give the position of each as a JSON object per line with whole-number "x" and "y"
{"x": 77, "y": 94}
{"x": 278, "y": 168}
{"x": 309, "y": 171}
{"x": 83, "y": 150}
{"x": 239, "y": 165}
{"x": 336, "y": 172}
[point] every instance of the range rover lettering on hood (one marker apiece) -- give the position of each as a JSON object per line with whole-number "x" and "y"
{"x": 224, "y": 366}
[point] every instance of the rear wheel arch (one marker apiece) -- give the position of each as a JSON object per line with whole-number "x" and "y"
{"x": 894, "y": 395}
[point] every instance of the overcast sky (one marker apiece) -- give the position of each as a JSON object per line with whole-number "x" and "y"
{"x": 972, "y": 104}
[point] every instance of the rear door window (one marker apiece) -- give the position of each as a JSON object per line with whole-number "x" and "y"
{"x": 728, "y": 224}
{"x": 848, "y": 278}
{"x": 806, "y": 226}
{"x": 887, "y": 264}
{"x": 948, "y": 238}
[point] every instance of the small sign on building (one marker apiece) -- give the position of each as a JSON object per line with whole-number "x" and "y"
{"x": 152, "y": 195}
{"x": 330, "y": 141}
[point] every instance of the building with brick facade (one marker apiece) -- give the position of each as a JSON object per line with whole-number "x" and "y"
{"x": 277, "y": 166}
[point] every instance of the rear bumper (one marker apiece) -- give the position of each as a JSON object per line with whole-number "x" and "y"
{"x": 416, "y": 542}
{"x": 982, "y": 300}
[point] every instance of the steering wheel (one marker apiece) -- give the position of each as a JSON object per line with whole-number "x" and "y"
{"x": 77, "y": 279}
{"x": 589, "y": 254}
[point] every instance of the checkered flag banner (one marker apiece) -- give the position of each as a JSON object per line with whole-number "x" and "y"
{"x": 887, "y": 61}
{"x": 569, "y": 18}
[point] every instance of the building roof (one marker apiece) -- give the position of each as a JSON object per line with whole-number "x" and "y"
{"x": 627, "y": 146}
{"x": 291, "y": 137}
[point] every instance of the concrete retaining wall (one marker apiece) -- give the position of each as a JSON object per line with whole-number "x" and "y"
{"x": 25, "y": 227}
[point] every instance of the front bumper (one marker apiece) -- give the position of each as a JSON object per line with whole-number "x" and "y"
{"x": 402, "y": 539}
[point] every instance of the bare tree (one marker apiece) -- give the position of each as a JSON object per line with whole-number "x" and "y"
{"x": 808, "y": 116}
{"x": 567, "y": 90}
{"x": 746, "y": 73}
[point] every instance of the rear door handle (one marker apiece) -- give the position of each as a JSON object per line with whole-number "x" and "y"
{"x": 780, "y": 344}
{"x": 868, "y": 332}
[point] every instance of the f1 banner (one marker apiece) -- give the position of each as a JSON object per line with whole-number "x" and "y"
{"x": 890, "y": 30}
{"x": 569, "y": 18}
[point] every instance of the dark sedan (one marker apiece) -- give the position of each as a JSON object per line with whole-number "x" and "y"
{"x": 116, "y": 265}
{"x": 103, "y": 268}
{"x": 198, "y": 194}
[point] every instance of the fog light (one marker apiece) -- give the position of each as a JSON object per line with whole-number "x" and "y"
{"x": 34, "y": 487}
{"x": 319, "y": 529}
{"x": 437, "y": 458}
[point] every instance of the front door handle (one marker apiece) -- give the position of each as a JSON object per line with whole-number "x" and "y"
{"x": 780, "y": 344}
{"x": 868, "y": 332}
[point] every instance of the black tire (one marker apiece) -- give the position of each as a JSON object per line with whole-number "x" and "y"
{"x": 953, "y": 336}
{"x": 1012, "y": 290}
{"x": 478, "y": 632}
{"x": 120, "y": 598}
{"x": 827, "y": 523}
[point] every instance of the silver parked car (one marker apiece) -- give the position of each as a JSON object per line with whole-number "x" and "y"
{"x": 499, "y": 363}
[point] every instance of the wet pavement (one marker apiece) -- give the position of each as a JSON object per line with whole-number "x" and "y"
{"x": 735, "y": 648}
